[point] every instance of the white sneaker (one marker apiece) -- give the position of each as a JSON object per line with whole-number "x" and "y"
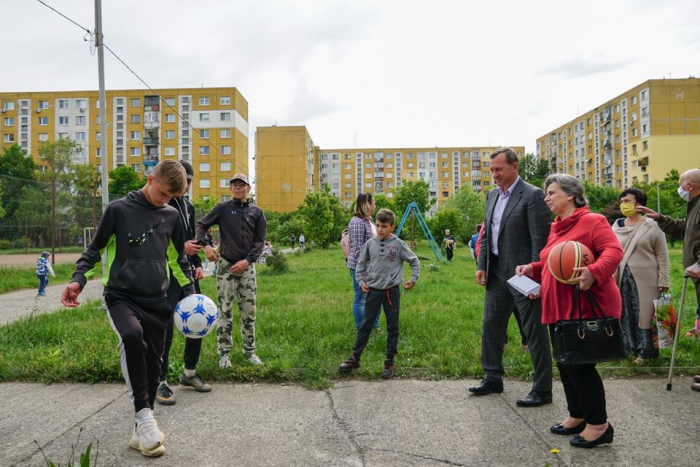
{"x": 135, "y": 443}
{"x": 150, "y": 436}
{"x": 224, "y": 362}
{"x": 254, "y": 359}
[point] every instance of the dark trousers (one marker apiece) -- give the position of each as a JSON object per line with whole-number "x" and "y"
{"x": 43, "y": 282}
{"x": 585, "y": 394}
{"x": 193, "y": 347}
{"x": 376, "y": 299}
{"x": 498, "y": 306}
{"x": 449, "y": 252}
{"x": 140, "y": 326}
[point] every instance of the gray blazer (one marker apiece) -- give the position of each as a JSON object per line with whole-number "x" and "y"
{"x": 524, "y": 228}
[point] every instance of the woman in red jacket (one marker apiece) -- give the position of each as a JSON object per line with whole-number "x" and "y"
{"x": 585, "y": 394}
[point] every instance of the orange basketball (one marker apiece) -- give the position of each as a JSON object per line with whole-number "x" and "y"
{"x": 566, "y": 256}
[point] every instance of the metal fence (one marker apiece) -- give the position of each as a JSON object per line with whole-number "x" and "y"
{"x": 27, "y": 216}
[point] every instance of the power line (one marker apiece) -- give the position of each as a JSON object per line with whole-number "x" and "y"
{"x": 61, "y": 14}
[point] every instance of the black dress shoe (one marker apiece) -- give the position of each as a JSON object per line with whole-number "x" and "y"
{"x": 535, "y": 399}
{"x": 487, "y": 387}
{"x": 579, "y": 441}
{"x": 559, "y": 429}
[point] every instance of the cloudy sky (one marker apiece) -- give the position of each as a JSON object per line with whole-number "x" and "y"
{"x": 380, "y": 73}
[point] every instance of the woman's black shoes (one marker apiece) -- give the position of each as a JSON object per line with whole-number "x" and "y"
{"x": 579, "y": 442}
{"x": 559, "y": 429}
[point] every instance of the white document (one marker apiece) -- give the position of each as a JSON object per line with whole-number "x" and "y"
{"x": 524, "y": 285}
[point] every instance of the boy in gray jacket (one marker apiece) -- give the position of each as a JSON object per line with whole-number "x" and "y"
{"x": 379, "y": 273}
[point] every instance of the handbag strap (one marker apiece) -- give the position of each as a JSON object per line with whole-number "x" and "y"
{"x": 576, "y": 303}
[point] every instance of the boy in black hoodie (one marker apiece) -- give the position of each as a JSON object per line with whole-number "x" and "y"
{"x": 143, "y": 239}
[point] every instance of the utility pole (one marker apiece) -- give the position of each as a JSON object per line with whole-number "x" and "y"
{"x": 99, "y": 40}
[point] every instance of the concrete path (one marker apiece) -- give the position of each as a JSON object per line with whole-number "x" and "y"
{"x": 392, "y": 423}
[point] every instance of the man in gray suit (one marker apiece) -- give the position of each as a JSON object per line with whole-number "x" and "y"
{"x": 515, "y": 230}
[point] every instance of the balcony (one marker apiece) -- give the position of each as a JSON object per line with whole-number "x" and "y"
{"x": 151, "y": 141}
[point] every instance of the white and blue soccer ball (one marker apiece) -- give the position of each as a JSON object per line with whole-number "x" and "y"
{"x": 196, "y": 315}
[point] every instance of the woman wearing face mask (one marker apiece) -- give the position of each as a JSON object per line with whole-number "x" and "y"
{"x": 642, "y": 275}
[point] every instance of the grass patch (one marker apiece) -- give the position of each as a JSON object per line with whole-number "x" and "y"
{"x": 305, "y": 330}
{"x": 17, "y": 278}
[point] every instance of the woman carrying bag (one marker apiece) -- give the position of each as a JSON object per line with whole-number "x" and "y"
{"x": 583, "y": 386}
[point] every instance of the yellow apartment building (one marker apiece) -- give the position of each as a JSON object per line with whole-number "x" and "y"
{"x": 638, "y": 136}
{"x": 206, "y": 126}
{"x": 288, "y": 165}
{"x": 285, "y": 167}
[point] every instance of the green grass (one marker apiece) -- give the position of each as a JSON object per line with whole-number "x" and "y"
{"x": 305, "y": 329}
{"x": 16, "y": 278}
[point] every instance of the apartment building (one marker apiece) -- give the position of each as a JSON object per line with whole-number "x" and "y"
{"x": 638, "y": 136}
{"x": 206, "y": 126}
{"x": 348, "y": 172}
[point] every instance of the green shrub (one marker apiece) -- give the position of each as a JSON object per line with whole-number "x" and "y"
{"x": 23, "y": 242}
{"x": 5, "y": 244}
{"x": 276, "y": 262}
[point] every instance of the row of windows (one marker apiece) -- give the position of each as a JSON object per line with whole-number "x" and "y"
{"x": 133, "y": 102}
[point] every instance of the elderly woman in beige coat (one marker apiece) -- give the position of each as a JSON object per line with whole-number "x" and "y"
{"x": 642, "y": 275}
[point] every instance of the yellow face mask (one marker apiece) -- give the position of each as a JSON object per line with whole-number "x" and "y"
{"x": 627, "y": 209}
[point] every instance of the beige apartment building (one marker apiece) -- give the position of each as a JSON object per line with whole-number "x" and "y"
{"x": 638, "y": 136}
{"x": 206, "y": 126}
{"x": 288, "y": 165}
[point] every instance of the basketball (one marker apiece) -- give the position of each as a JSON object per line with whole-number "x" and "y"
{"x": 566, "y": 256}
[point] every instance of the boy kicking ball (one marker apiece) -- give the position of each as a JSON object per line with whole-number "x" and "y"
{"x": 379, "y": 273}
{"x": 143, "y": 238}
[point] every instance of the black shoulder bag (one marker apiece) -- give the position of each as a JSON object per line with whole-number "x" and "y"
{"x": 594, "y": 340}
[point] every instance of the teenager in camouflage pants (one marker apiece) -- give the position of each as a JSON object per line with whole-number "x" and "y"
{"x": 242, "y": 227}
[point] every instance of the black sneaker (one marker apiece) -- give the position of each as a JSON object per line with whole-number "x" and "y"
{"x": 388, "y": 370}
{"x": 195, "y": 382}
{"x": 165, "y": 395}
{"x": 348, "y": 365}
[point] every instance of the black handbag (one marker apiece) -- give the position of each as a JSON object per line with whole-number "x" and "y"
{"x": 578, "y": 341}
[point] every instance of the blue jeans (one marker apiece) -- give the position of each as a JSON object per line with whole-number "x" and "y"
{"x": 44, "y": 281}
{"x": 358, "y": 304}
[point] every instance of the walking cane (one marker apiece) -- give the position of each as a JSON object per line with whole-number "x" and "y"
{"x": 669, "y": 384}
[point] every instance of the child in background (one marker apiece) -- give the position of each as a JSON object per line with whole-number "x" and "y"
{"x": 43, "y": 269}
{"x": 379, "y": 273}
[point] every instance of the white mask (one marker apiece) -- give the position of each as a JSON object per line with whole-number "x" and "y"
{"x": 684, "y": 194}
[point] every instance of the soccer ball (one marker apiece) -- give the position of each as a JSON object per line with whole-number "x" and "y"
{"x": 195, "y": 316}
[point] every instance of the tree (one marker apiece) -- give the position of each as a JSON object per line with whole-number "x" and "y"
{"x": 86, "y": 183}
{"x": 410, "y": 191}
{"x": 600, "y": 197}
{"x": 471, "y": 205}
{"x": 124, "y": 179}
{"x": 318, "y": 216}
{"x": 202, "y": 206}
{"x": 382, "y": 202}
{"x": 447, "y": 218}
{"x": 15, "y": 162}
{"x": 533, "y": 169}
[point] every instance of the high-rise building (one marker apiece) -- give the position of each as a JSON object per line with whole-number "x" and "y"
{"x": 638, "y": 136}
{"x": 288, "y": 165}
{"x": 206, "y": 126}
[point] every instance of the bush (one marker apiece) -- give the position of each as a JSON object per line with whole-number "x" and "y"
{"x": 23, "y": 242}
{"x": 5, "y": 244}
{"x": 276, "y": 262}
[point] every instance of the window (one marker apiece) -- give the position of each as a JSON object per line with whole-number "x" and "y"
{"x": 225, "y": 167}
{"x": 634, "y": 132}
{"x": 63, "y": 120}
{"x": 204, "y": 150}
{"x": 169, "y": 151}
{"x": 645, "y": 128}
{"x": 63, "y": 103}
{"x": 169, "y": 134}
{"x": 225, "y": 150}
{"x": 225, "y": 100}
{"x": 225, "y": 133}
{"x": 80, "y": 120}
{"x": 223, "y": 182}
{"x": 170, "y": 101}
{"x": 98, "y": 152}
{"x": 135, "y": 119}
{"x": 9, "y": 137}
{"x": 204, "y": 166}
{"x": 43, "y": 104}
{"x": 135, "y": 103}
{"x": 98, "y": 136}
{"x": 9, "y": 121}
{"x": 204, "y": 117}
{"x": 135, "y": 151}
{"x": 634, "y": 100}
{"x": 204, "y": 183}
{"x": 169, "y": 118}
{"x": 225, "y": 116}
{"x": 80, "y": 136}
{"x": 81, "y": 103}
{"x": 645, "y": 95}
{"x": 136, "y": 167}
{"x": 62, "y": 135}
{"x": 135, "y": 135}
{"x": 43, "y": 121}
{"x": 43, "y": 136}
{"x": 204, "y": 133}
{"x": 204, "y": 100}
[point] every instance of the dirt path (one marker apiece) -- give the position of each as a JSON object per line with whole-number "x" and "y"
{"x": 30, "y": 259}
